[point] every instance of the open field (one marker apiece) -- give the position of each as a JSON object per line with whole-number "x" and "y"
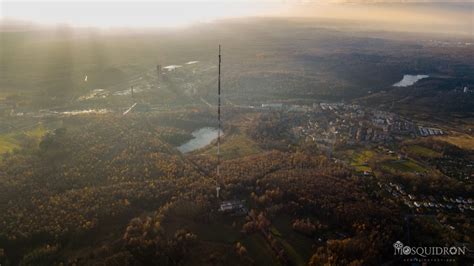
{"x": 463, "y": 141}
{"x": 360, "y": 159}
{"x": 421, "y": 151}
{"x": 298, "y": 246}
{"x": 225, "y": 232}
{"x": 235, "y": 146}
{"x": 8, "y": 143}
{"x": 406, "y": 165}
{"x": 11, "y": 141}
{"x": 258, "y": 248}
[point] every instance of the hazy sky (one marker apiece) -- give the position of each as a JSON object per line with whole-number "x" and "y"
{"x": 129, "y": 13}
{"x": 444, "y": 15}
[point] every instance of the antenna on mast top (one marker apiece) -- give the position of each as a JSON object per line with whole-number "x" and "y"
{"x": 218, "y": 188}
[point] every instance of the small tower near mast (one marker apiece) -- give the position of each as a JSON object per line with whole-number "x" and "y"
{"x": 218, "y": 177}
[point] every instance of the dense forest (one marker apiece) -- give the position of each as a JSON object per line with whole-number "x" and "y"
{"x": 114, "y": 191}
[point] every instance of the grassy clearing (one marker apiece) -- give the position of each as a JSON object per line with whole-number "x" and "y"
{"x": 421, "y": 151}
{"x": 259, "y": 250}
{"x": 298, "y": 246}
{"x": 221, "y": 231}
{"x": 235, "y": 146}
{"x": 408, "y": 165}
{"x": 294, "y": 255}
{"x": 8, "y": 143}
{"x": 359, "y": 160}
{"x": 11, "y": 141}
{"x": 37, "y": 132}
{"x": 463, "y": 141}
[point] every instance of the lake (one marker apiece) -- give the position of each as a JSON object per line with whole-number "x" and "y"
{"x": 409, "y": 80}
{"x": 201, "y": 138}
{"x": 84, "y": 112}
{"x": 171, "y": 67}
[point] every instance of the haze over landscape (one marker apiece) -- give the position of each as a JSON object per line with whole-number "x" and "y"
{"x": 430, "y": 16}
{"x": 331, "y": 132}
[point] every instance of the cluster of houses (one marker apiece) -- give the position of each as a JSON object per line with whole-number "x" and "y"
{"x": 362, "y": 134}
{"x": 287, "y": 108}
{"x": 427, "y": 202}
{"x": 389, "y": 122}
{"x": 335, "y": 106}
{"x": 350, "y": 123}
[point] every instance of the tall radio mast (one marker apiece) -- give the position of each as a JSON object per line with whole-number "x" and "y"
{"x": 218, "y": 188}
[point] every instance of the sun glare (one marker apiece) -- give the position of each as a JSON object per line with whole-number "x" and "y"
{"x": 132, "y": 13}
